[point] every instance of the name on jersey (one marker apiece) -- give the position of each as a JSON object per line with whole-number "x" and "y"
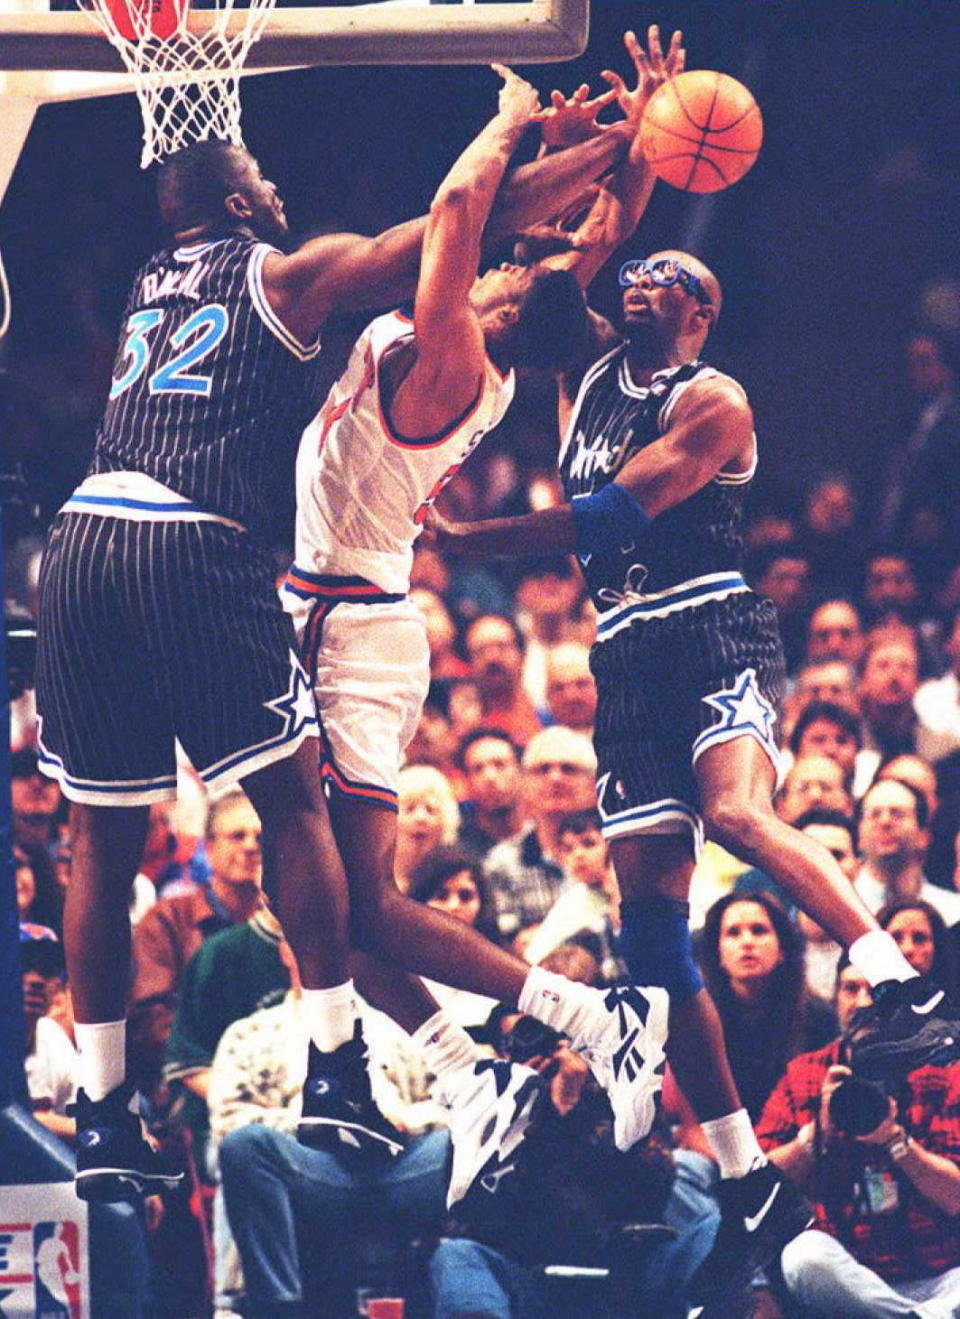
{"x": 170, "y": 283}
{"x": 594, "y": 455}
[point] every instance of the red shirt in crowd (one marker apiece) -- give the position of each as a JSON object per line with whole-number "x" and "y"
{"x": 860, "y": 1196}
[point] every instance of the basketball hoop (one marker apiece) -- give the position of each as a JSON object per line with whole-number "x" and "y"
{"x": 187, "y": 81}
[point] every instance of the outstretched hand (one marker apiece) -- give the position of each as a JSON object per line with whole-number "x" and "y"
{"x": 653, "y": 68}
{"x": 568, "y": 120}
{"x": 519, "y": 101}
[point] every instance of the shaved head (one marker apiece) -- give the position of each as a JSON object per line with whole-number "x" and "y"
{"x": 696, "y": 267}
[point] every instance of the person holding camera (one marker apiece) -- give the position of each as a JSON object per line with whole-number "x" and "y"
{"x": 883, "y": 1171}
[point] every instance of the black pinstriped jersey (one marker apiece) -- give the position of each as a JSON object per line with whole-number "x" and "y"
{"x": 613, "y": 419}
{"x": 210, "y": 392}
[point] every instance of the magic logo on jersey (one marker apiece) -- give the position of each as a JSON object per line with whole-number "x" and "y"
{"x": 592, "y": 455}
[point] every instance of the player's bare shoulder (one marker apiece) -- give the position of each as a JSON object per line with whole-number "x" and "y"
{"x": 713, "y": 408}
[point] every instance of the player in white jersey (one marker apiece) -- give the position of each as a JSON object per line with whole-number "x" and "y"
{"x": 417, "y": 396}
{"x": 362, "y": 488}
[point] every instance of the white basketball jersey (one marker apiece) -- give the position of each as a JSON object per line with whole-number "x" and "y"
{"x": 362, "y": 490}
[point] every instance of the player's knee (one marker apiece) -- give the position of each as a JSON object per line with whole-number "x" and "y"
{"x": 802, "y": 1260}
{"x": 737, "y": 824}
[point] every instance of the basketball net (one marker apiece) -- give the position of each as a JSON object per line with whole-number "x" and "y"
{"x": 187, "y": 82}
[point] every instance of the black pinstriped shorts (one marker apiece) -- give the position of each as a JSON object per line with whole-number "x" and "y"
{"x": 669, "y": 688}
{"x": 156, "y": 630}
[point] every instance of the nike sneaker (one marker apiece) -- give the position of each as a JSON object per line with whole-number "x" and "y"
{"x": 910, "y": 1023}
{"x": 623, "y": 1037}
{"x": 338, "y": 1112}
{"x": 117, "y": 1159}
{"x": 759, "y": 1214}
{"x": 491, "y": 1105}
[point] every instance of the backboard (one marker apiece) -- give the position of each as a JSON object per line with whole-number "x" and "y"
{"x": 38, "y": 42}
{"x": 59, "y": 55}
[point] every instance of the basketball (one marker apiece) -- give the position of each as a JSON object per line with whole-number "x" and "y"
{"x": 701, "y": 131}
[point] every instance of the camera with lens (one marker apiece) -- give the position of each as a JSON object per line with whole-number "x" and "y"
{"x": 858, "y": 1106}
{"x": 528, "y": 1039}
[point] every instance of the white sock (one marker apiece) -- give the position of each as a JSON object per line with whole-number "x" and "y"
{"x": 329, "y": 1015}
{"x": 102, "y": 1046}
{"x": 734, "y": 1142}
{"x": 445, "y": 1045}
{"x": 565, "y": 1005}
{"x": 877, "y": 958}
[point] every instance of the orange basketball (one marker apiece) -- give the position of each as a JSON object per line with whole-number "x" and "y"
{"x": 701, "y": 131}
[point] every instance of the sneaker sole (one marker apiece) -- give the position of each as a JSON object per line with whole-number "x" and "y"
{"x": 112, "y": 1185}
{"x": 334, "y": 1134}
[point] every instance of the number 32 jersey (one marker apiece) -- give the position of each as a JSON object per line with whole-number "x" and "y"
{"x": 210, "y": 391}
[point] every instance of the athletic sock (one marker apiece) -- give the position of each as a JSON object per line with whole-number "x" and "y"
{"x": 329, "y": 1015}
{"x": 102, "y": 1046}
{"x": 734, "y": 1142}
{"x": 564, "y": 1005}
{"x": 877, "y": 958}
{"x": 445, "y": 1045}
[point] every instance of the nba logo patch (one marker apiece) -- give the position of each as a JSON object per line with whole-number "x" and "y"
{"x": 57, "y": 1278}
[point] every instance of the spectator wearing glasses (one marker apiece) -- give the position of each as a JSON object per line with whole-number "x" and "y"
{"x": 174, "y": 928}
{"x": 893, "y": 841}
{"x": 524, "y": 873}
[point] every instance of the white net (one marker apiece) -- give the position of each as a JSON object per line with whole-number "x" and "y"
{"x": 187, "y": 81}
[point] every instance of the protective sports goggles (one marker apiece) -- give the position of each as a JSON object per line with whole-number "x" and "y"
{"x": 666, "y": 272}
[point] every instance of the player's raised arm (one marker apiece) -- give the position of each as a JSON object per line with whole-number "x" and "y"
{"x": 622, "y": 197}
{"x": 451, "y": 351}
{"x": 346, "y": 272}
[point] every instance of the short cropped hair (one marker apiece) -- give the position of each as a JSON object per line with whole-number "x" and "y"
{"x": 828, "y": 815}
{"x": 830, "y": 712}
{"x": 552, "y": 331}
{"x": 580, "y": 823}
{"x": 192, "y": 183}
{"x": 480, "y": 734}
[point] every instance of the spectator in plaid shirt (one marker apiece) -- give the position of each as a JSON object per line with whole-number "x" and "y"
{"x": 886, "y": 1239}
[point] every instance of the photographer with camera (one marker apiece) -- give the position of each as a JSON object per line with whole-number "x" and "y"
{"x": 624, "y": 1231}
{"x": 883, "y": 1170}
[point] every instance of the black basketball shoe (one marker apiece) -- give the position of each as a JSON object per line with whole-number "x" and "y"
{"x": 338, "y": 1113}
{"x": 909, "y": 1023}
{"x": 759, "y": 1214}
{"x": 116, "y": 1158}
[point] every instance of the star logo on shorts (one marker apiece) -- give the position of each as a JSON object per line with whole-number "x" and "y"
{"x": 296, "y": 704}
{"x": 743, "y": 706}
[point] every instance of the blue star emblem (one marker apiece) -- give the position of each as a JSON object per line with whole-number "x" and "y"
{"x": 296, "y": 705}
{"x": 743, "y": 706}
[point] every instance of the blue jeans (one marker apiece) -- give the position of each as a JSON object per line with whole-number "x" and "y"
{"x": 469, "y": 1278}
{"x": 826, "y": 1279}
{"x": 272, "y": 1185}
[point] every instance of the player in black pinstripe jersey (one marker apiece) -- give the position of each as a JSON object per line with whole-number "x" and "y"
{"x": 658, "y": 448}
{"x": 158, "y": 613}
